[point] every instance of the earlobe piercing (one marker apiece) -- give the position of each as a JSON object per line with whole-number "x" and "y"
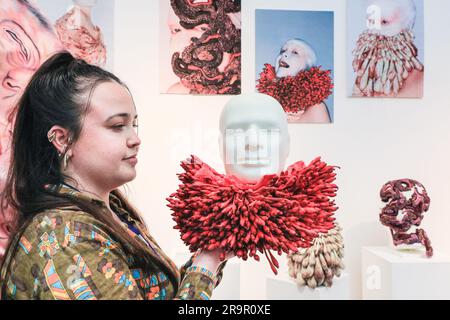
{"x": 51, "y": 137}
{"x": 65, "y": 161}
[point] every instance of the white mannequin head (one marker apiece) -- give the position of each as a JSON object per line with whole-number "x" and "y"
{"x": 254, "y": 138}
{"x": 390, "y": 17}
{"x": 295, "y": 56}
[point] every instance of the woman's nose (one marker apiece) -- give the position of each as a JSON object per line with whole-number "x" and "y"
{"x": 134, "y": 140}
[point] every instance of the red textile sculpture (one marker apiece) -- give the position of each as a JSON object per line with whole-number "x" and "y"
{"x": 306, "y": 89}
{"x": 412, "y": 210}
{"x": 281, "y": 212}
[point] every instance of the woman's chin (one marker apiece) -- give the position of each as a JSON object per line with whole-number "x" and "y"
{"x": 128, "y": 176}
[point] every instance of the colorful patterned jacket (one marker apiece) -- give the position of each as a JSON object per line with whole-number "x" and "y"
{"x": 67, "y": 254}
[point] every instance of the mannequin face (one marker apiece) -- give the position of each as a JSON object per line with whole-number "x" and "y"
{"x": 291, "y": 60}
{"x": 25, "y": 42}
{"x": 388, "y": 18}
{"x": 254, "y": 137}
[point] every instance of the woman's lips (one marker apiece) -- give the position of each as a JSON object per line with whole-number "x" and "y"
{"x": 131, "y": 160}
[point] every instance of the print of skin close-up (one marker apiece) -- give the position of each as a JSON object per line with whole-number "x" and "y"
{"x": 26, "y": 40}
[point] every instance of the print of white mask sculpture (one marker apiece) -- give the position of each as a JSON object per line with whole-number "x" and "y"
{"x": 295, "y": 56}
{"x": 254, "y": 138}
{"x": 386, "y": 55}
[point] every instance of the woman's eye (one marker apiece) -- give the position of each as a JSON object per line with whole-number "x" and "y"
{"x": 282, "y": 51}
{"x": 118, "y": 126}
{"x": 295, "y": 52}
{"x": 384, "y": 22}
{"x": 175, "y": 30}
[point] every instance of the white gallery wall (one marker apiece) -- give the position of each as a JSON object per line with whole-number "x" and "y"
{"x": 372, "y": 140}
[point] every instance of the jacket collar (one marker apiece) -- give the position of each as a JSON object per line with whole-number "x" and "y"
{"x": 68, "y": 190}
{"x": 117, "y": 207}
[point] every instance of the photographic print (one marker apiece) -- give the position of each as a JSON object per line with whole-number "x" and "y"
{"x": 200, "y": 47}
{"x": 85, "y": 28}
{"x": 386, "y": 48}
{"x": 295, "y": 62}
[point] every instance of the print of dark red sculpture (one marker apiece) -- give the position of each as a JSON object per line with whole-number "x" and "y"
{"x": 401, "y": 214}
{"x": 198, "y": 65}
{"x": 282, "y": 212}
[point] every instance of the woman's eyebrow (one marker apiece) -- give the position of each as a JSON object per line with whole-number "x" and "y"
{"x": 123, "y": 115}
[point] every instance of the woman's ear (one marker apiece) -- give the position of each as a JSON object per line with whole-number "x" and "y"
{"x": 59, "y": 137}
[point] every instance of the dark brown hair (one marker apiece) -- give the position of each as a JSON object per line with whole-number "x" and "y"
{"x": 56, "y": 95}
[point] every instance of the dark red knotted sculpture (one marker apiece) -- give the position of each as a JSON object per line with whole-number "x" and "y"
{"x": 401, "y": 214}
{"x": 281, "y": 212}
{"x": 306, "y": 89}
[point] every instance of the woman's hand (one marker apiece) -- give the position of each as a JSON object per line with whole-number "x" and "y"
{"x": 211, "y": 259}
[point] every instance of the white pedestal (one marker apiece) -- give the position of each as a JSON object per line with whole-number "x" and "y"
{"x": 390, "y": 273}
{"x": 229, "y": 287}
{"x": 283, "y": 287}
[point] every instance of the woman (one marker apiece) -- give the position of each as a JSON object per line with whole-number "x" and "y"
{"x": 77, "y": 237}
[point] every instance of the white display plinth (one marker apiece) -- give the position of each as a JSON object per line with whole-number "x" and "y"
{"x": 229, "y": 287}
{"x": 392, "y": 273}
{"x": 283, "y": 287}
